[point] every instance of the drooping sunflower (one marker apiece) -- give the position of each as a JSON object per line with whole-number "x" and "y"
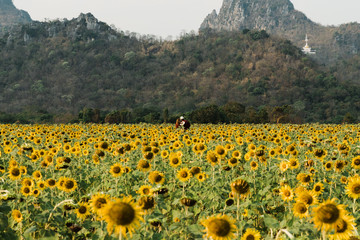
{"x": 116, "y": 170}
{"x": 232, "y": 162}
{"x": 251, "y": 234}
{"x": 353, "y": 187}
{"x": 304, "y": 178}
{"x": 183, "y": 174}
{"x": 27, "y": 182}
{"x": 195, "y": 170}
{"x": 14, "y": 173}
{"x": 146, "y": 203}
{"x": 220, "y": 227}
{"x": 83, "y": 210}
{"x": 240, "y": 187}
{"x": 220, "y": 151}
{"x": 286, "y": 193}
{"x": 16, "y": 215}
{"x": 122, "y": 216}
{"x": 300, "y": 210}
{"x": 293, "y": 163}
{"x": 328, "y": 214}
{"x": 156, "y": 177}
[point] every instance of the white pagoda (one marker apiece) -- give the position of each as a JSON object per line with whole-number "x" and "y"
{"x": 306, "y": 49}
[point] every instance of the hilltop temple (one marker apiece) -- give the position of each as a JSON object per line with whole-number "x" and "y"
{"x": 306, "y": 49}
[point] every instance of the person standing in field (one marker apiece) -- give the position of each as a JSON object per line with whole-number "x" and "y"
{"x": 185, "y": 124}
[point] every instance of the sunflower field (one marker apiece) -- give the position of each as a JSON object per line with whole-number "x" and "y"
{"x": 143, "y": 181}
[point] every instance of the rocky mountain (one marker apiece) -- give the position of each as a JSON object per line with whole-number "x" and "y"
{"x": 279, "y": 17}
{"x": 10, "y": 15}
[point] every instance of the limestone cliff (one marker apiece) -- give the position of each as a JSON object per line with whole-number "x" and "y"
{"x": 10, "y": 15}
{"x": 278, "y": 17}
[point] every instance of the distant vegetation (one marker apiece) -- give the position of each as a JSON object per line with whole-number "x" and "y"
{"x": 64, "y": 71}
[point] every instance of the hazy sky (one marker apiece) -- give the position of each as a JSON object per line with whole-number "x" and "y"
{"x": 170, "y": 17}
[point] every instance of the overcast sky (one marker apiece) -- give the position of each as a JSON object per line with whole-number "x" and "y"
{"x": 171, "y": 17}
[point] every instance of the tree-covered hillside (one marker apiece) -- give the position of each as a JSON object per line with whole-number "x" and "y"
{"x": 63, "y": 67}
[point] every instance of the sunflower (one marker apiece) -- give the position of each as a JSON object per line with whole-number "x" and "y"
{"x": 283, "y": 166}
{"x": 146, "y": 203}
{"x": 339, "y": 165}
{"x": 69, "y": 185}
{"x": 175, "y": 161}
{"x": 83, "y": 210}
{"x": 41, "y": 185}
{"x": 183, "y": 174}
{"x": 164, "y": 154}
{"x": 300, "y": 210}
{"x": 98, "y": 202}
{"x": 328, "y": 165}
{"x": 220, "y": 227}
{"x": 51, "y": 182}
{"x": 195, "y": 170}
{"x": 286, "y": 193}
{"x": 37, "y": 175}
{"x": 27, "y": 182}
{"x": 306, "y": 197}
{"x": 144, "y": 165}
{"x": 344, "y": 229}
{"x": 318, "y": 188}
{"x": 35, "y": 192}
{"x": 232, "y": 162}
{"x": 303, "y": 178}
{"x": 320, "y": 153}
{"x": 26, "y": 191}
{"x": 251, "y": 234}
{"x": 201, "y": 177}
{"x": 123, "y": 216}
{"x": 149, "y": 156}
{"x": 240, "y": 188}
{"x": 293, "y": 163}
{"x": 236, "y": 154}
{"x": 328, "y": 214}
{"x": 156, "y": 177}
{"x": 16, "y": 215}
{"x": 355, "y": 162}
{"x": 116, "y": 170}
{"x": 212, "y": 158}
{"x": 145, "y": 190}
{"x": 353, "y": 187}
{"x": 14, "y": 173}
{"x": 254, "y": 165}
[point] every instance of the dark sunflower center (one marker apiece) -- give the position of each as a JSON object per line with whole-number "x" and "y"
{"x": 175, "y": 161}
{"x": 158, "y": 178}
{"x": 301, "y": 208}
{"x": 69, "y": 184}
{"x": 341, "y": 227}
{"x": 356, "y": 188}
{"x": 240, "y": 187}
{"x": 116, "y": 169}
{"x": 82, "y": 209}
{"x": 357, "y": 162}
{"x": 15, "y": 172}
{"x": 317, "y": 189}
{"x": 328, "y": 213}
{"x": 287, "y": 193}
{"x": 219, "y": 227}
{"x": 250, "y": 237}
{"x": 184, "y": 174}
{"x": 100, "y": 202}
{"x": 122, "y": 214}
{"x": 26, "y": 190}
{"x": 51, "y": 182}
{"x": 146, "y": 191}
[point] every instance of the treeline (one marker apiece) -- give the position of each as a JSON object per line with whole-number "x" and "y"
{"x": 232, "y": 112}
{"x": 49, "y": 72}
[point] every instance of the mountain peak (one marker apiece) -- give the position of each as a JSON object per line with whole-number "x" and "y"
{"x": 270, "y": 15}
{"x": 10, "y": 15}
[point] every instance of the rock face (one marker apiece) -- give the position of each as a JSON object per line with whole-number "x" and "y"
{"x": 278, "y": 17}
{"x": 10, "y": 15}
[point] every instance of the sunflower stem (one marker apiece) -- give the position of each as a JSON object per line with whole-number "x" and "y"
{"x": 354, "y": 206}
{"x": 323, "y": 235}
{"x": 120, "y": 236}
